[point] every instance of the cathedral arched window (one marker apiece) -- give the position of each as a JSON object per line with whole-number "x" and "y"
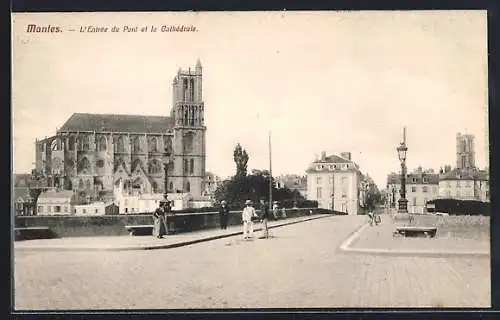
{"x": 188, "y": 142}
{"x": 56, "y": 145}
{"x": 185, "y": 88}
{"x": 85, "y": 143}
{"x": 154, "y": 186}
{"x": 186, "y": 165}
{"x": 191, "y": 96}
{"x": 191, "y": 166}
{"x": 136, "y": 145}
{"x": 71, "y": 143}
{"x": 171, "y": 186}
{"x": 84, "y": 166}
{"x": 167, "y": 142}
{"x": 80, "y": 185}
{"x": 188, "y": 187}
{"x": 154, "y": 167}
{"x": 153, "y": 145}
{"x": 102, "y": 144}
{"x": 120, "y": 144}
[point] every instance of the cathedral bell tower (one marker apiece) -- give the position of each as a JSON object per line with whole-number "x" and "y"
{"x": 189, "y": 131}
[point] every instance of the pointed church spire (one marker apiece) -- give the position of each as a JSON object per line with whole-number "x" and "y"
{"x": 198, "y": 67}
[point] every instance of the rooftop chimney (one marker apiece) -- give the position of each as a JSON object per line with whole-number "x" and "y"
{"x": 323, "y": 155}
{"x": 346, "y": 155}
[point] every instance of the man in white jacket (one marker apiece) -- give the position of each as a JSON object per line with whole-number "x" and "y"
{"x": 246, "y": 216}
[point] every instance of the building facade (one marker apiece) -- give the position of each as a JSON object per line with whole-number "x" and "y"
{"x": 464, "y": 184}
{"x": 334, "y": 181}
{"x": 55, "y": 202}
{"x": 91, "y": 153}
{"x": 292, "y": 182}
{"x": 212, "y": 182}
{"x": 421, "y": 186}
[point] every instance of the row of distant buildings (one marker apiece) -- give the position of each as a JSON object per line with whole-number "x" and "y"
{"x": 57, "y": 201}
{"x": 464, "y": 182}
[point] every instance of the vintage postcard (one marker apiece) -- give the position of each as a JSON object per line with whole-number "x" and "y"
{"x": 239, "y": 160}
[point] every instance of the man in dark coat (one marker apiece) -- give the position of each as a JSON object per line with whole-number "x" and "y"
{"x": 264, "y": 218}
{"x": 223, "y": 215}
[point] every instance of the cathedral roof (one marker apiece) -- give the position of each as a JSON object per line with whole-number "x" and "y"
{"x": 464, "y": 174}
{"x": 117, "y": 123}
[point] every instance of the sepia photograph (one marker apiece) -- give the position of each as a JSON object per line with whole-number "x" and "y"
{"x": 244, "y": 160}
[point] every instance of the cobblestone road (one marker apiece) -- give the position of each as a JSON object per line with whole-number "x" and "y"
{"x": 299, "y": 267}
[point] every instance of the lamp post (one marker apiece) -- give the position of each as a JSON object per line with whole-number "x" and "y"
{"x": 165, "y": 180}
{"x": 402, "y": 149}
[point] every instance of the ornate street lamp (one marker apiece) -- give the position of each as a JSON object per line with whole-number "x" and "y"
{"x": 165, "y": 168}
{"x": 402, "y": 149}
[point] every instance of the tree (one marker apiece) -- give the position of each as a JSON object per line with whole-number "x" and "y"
{"x": 254, "y": 187}
{"x": 240, "y": 157}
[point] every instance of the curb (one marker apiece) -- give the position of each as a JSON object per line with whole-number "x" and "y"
{"x": 345, "y": 248}
{"x": 155, "y": 247}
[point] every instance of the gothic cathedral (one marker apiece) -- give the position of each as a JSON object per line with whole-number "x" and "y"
{"x": 92, "y": 153}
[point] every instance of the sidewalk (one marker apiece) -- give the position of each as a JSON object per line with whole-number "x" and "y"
{"x": 122, "y": 243}
{"x": 379, "y": 240}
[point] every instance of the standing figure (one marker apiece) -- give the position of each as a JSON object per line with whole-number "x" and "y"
{"x": 275, "y": 210}
{"x": 247, "y": 216}
{"x": 223, "y": 215}
{"x": 264, "y": 218}
{"x": 159, "y": 225}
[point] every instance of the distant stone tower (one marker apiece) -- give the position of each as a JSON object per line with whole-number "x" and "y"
{"x": 465, "y": 151}
{"x": 189, "y": 131}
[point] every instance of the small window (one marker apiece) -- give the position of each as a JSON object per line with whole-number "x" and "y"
{"x": 57, "y": 209}
{"x": 40, "y": 209}
{"x": 126, "y": 210}
{"x": 425, "y": 189}
{"x": 413, "y": 189}
{"x": 100, "y": 163}
{"x": 96, "y": 210}
{"x": 84, "y": 211}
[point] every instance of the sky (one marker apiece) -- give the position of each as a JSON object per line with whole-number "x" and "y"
{"x": 318, "y": 81}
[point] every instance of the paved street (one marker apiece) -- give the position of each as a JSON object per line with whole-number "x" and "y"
{"x": 299, "y": 267}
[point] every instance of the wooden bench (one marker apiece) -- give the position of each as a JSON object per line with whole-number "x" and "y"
{"x": 30, "y": 233}
{"x": 429, "y": 232}
{"x": 140, "y": 230}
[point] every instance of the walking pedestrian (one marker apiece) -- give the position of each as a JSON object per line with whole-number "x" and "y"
{"x": 223, "y": 215}
{"x": 264, "y": 218}
{"x": 247, "y": 215}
